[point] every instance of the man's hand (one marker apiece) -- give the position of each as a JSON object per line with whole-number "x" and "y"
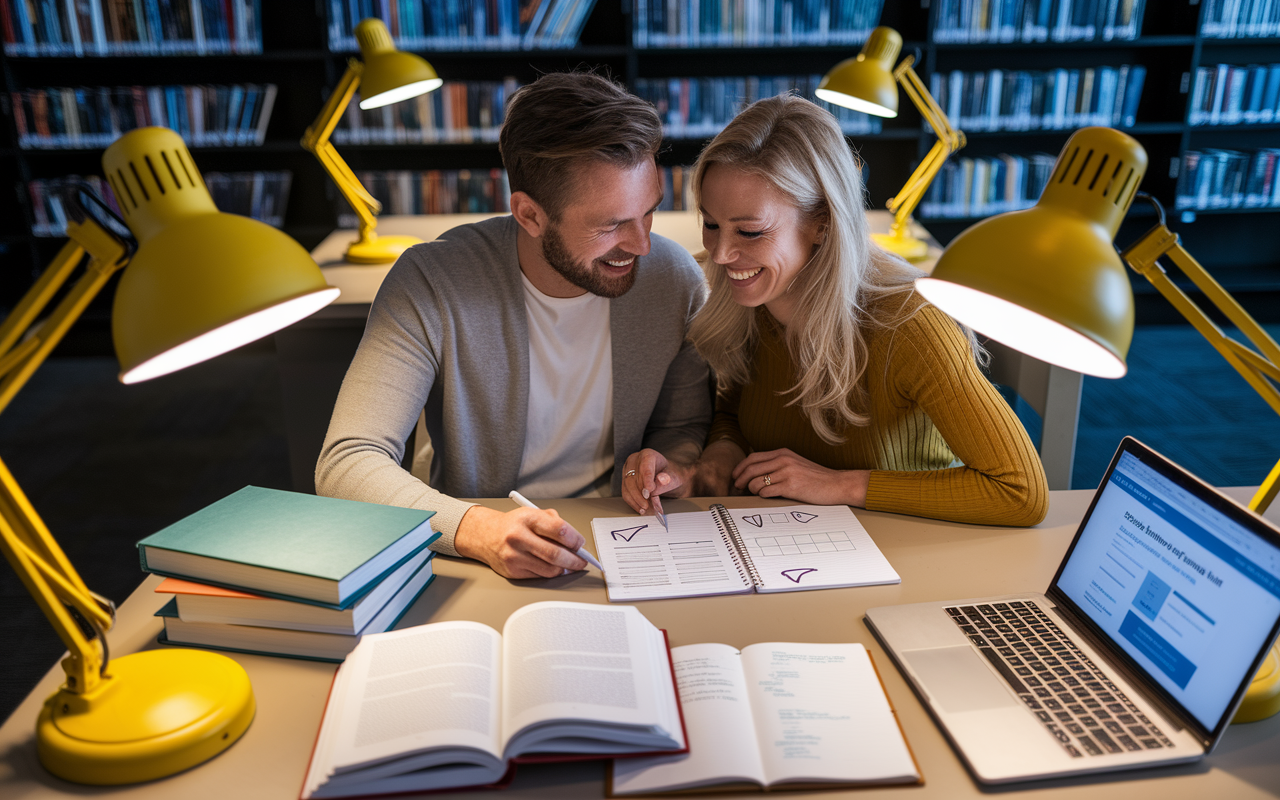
{"x": 782, "y": 473}
{"x": 525, "y": 543}
{"x": 714, "y": 470}
{"x": 648, "y": 474}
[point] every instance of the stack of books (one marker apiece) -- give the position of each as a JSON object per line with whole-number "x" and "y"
{"x": 288, "y": 574}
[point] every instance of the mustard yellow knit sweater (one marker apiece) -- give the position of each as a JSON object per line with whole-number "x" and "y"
{"x": 941, "y": 443}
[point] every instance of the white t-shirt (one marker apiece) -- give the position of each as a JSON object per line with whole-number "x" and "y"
{"x": 568, "y": 446}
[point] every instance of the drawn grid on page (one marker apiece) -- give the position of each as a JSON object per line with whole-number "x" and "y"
{"x": 797, "y": 544}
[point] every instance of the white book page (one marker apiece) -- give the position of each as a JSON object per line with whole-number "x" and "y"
{"x": 423, "y": 687}
{"x": 717, "y": 714}
{"x": 642, "y": 561}
{"x": 794, "y": 548}
{"x": 822, "y": 715}
{"x": 577, "y": 661}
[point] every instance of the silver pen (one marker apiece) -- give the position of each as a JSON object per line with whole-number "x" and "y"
{"x": 581, "y": 552}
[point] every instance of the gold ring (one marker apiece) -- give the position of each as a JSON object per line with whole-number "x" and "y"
{"x": 767, "y": 482}
{"x": 630, "y": 472}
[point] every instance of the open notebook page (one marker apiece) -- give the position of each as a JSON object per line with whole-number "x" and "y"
{"x": 793, "y": 548}
{"x": 821, "y": 715}
{"x": 642, "y": 561}
{"x": 406, "y": 691}
{"x": 569, "y": 661}
{"x": 722, "y": 742}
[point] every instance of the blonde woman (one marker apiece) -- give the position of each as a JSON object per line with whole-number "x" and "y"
{"x": 838, "y": 384}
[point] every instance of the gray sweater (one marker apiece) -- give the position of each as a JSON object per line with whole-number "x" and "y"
{"x": 448, "y": 333}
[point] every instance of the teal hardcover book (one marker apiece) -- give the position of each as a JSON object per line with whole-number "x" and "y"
{"x": 291, "y": 545}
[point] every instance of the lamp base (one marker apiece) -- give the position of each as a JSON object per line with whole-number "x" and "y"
{"x": 157, "y": 713}
{"x": 1262, "y": 699}
{"x": 379, "y": 249}
{"x": 909, "y": 247}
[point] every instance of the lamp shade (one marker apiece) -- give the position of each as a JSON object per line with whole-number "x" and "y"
{"x": 202, "y": 282}
{"x": 865, "y": 82}
{"x": 1047, "y": 281}
{"x": 389, "y": 75}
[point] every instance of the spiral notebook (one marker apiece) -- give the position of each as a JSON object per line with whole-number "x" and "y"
{"x": 736, "y": 551}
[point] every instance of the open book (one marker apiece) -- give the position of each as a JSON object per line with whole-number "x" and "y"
{"x": 453, "y": 703}
{"x": 730, "y": 551}
{"x": 776, "y": 715}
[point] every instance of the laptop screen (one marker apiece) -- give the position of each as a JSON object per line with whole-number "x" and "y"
{"x": 1182, "y": 581}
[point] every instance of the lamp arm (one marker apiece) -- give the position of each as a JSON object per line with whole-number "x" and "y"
{"x": 316, "y": 141}
{"x": 1259, "y": 369}
{"x": 949, "y": 140}
{"x": 77, "y": 614}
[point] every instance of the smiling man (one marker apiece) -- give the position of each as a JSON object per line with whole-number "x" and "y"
{"x": 544, "y": 346}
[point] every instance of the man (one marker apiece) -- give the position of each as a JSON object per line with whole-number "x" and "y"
{"x": 545, "y": 346}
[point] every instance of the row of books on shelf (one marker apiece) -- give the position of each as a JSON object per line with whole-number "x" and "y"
{"x": 1232, "y": 95}
{"x": 456, "y": 112}
{"x": 433, "y": 191}
{"x": 698, "y": 107}
{"x": 260, "y": 195}
{"x": 739, "y": 23}
{"x": 1238, "y": 19}
{"x": 1019, "y": 100}
{"x": 980, "y": 187}
{"x": 463, "y": 24}
{"x": 85, "y": 117}
{"x": 1216, "y": 179}
{"x": 139, "y": 27}
{"x": 970, "y": 22}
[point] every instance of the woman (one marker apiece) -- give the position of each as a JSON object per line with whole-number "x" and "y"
{"x": 838, "y": 384}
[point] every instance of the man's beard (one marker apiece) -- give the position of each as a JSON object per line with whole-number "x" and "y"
{"x": 557, "y": 254}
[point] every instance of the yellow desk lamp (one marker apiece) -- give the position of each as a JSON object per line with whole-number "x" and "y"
{"x": 386, "y": 76}
{"x": 866, "y": 83}
{"x": 201, "y": 283}
{"x": 1047, "y": 281}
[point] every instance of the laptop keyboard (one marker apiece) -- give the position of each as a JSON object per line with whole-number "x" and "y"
{"x": 1075, "y": 701}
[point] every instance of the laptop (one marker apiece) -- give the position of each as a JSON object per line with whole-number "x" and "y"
{"x": 1139, "y": 652}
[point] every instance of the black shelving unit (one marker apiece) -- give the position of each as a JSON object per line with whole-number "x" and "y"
{"x": 296, "y": 58}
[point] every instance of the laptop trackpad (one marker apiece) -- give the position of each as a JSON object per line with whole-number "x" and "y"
{"x": 957, "y": 679}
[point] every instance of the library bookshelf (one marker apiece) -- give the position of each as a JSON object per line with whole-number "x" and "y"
{"x": 1170, "y": 46}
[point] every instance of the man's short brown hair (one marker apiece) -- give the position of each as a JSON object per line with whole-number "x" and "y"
{"x": 565, "y": 118}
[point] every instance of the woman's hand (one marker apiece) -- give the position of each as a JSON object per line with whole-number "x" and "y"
{"x": 648, "y": 474}
{"x": 782, "y": 473}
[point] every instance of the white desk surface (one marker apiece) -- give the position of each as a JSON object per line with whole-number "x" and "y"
{"x": 937, "y": 561}
{"x": 359, "y": 283}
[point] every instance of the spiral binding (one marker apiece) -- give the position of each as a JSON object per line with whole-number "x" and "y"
{"x": 733, "y": 539}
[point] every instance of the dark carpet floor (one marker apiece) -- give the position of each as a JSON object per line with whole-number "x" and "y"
{"x": 107, "y": 464}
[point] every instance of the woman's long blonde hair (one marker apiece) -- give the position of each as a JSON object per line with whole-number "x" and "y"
{"x": 800, "y": 150}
